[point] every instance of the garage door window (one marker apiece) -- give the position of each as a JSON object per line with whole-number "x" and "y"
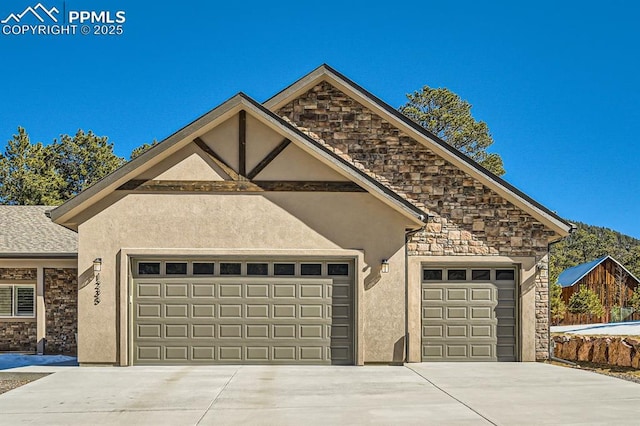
{"x": 230, "y": 268}
{"x": 149, "y": 268}
{"x": 432, "y": 274}
{"x": 284, "y": 269}
{"x": 457, "y": 275}
{"x": 505, "y": 274}
{"x": 203, "y": 268}
{"x": 338, "y": 269}
{"x": 480, "y": 275}
{"x": 311, "y": 269}
{"x": 176, "y": 268}
{"x": 258, "y": 269}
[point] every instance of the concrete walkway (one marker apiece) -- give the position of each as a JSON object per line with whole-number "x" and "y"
{"x": 443, "y": 393}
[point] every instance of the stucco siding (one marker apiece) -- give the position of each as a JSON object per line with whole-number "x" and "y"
{"x": 297, "y": 222}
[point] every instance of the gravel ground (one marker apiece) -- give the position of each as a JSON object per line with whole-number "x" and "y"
{"x": 9, "y": 381}
{"x": 624, "y": 373}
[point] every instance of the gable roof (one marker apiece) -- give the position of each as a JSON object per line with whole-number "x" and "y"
{"x": 27, "y": 232}
{"x": 571, "y": 276}
{"x": 424, "y": 136}
{"x": 208, "y": 121}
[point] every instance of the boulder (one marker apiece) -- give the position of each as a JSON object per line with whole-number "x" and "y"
{"x": 625, "y": 354}
{"x": 585, "y": 353}
{"x": 570, "y": 349}
{"x": 635, "y": 361}
{"x": 600, "y": 350}
{"x": 614, "y": 349}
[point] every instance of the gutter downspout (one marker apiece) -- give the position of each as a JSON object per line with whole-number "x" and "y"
{"x": 407, "y": 238}
{"x": 549, "y": 345}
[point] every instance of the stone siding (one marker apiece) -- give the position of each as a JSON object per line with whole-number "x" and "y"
{"x": 469, "y": 218}
{"x": 61, "y": 301}
{"x": 16, "y": 334}
{"x": 18, "y": 274}
{"x": 19, "y": 336}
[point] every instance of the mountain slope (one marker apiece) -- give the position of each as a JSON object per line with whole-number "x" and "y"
{"x": 589, "y": 242}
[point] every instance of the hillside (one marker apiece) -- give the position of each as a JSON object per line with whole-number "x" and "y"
{"x": 589, "y": 242}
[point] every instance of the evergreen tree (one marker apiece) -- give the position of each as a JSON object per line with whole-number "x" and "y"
{"x": 26, "y": 173}
{"x": 449, "y": 117}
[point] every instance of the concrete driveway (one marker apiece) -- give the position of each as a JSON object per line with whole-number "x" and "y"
{"x": 443, "y": 393}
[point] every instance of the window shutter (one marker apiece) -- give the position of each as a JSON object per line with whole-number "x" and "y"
{"x": 25, "y": 302}
{"x": 6, "y": 297}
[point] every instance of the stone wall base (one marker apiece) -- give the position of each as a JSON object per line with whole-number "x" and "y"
{"x": 619, "y": 351}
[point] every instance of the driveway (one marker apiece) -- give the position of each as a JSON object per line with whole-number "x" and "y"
{"x": 443, "y": 393}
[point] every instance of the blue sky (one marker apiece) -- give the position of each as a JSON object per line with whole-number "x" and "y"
{"x": 557, "y": 82}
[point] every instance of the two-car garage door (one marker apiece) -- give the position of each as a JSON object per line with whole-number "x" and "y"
{"x": 250, "y": 312}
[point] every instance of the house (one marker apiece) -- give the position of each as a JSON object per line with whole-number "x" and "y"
{"x": 38, "y": 282}
{"x": 320, "y": 227}
{"x": 604, "y": 276}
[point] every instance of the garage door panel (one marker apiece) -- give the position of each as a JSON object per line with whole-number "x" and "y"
{"x": 200, "y": 353}
{"x": 454, "y": 331}
{"x": 203, "y": 311}
{"x": 472, "y": 320}
{"x": 481, "y": 294}
{"x": 203, "y": 331}
{"x": 236, "y": 320}
{"x": 176, "y": 311}
{"x": 257, "y": 290}
{"x": 456, "y": 312}
{"x": 176, "y": 290}
{"x": 285, "y": 291}
{"x": 455, "y": 294}
{"x": 148, "y": 290}
{"x": 433, "y": 294}
{"x": 149, "y": 310}
{"x": 204, "y": 290}
{"x": 230, "y": 290}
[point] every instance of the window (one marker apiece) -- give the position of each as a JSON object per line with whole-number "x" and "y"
{"x": 432, "y": 274}
{"x": 230, "y": 268}
{"x": 505, "y": 274}
{"x": 257, "y": 269}
{"x": 311, "y": 269}
{"x": 338, "y": 269}
{"x": 176, "y": 268}
{"x": 480, "y": 275}
{"x": 202, "y": 268}
{"x": 284, "y": 269}
{"x": 17, "y": 301}
{"x": 456, "y": 275}
{"x": 149, "y": 268}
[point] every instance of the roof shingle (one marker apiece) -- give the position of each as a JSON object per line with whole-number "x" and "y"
{"x": 26, "y": 230}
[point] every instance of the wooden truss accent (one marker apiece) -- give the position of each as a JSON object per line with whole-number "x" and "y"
{"x": 143, "y": 185}
{"x": 242, "y": 143}
{"x": 268, "y": 159}
{"x": 217, "y": 159}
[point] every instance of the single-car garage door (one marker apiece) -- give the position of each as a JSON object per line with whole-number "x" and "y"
{"x": 469, "y": 314}
{"x": 242, "y": 312}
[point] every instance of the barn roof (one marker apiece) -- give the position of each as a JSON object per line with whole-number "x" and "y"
{"x": 570, "y": 276}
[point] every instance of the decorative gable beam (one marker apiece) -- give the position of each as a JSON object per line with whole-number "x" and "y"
{"x": 268, "y": 159}
{"x": 242, "y": 143}
{"x": 141, "y": 185}
{"x": 217, "y": 159}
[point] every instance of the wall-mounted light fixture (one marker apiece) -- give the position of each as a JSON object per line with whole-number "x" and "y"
{"x": 97, "y": 267}
{"x": 384, "y": 266}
